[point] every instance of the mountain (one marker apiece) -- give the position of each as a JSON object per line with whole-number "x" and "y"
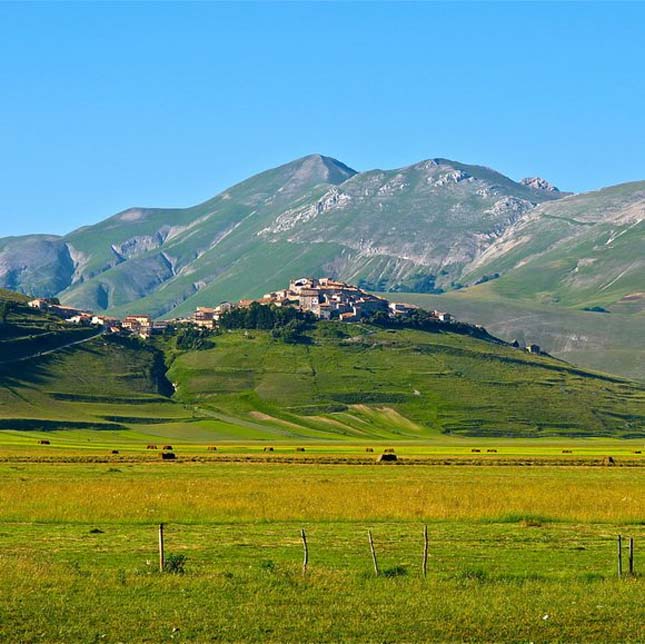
{"x": 417, "y": 228}
{"x": 522, "y": 258}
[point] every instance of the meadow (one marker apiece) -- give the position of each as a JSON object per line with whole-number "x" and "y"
{"x": 515, "y": 553}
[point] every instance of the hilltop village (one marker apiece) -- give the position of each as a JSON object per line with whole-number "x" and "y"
{"x": 325, "y": 298}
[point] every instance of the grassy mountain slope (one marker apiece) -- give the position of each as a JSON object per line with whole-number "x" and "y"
{"x": 39, "y": 265}
{"x": 611, "y": 342}
{"x": 347, "y": 383}
{"x": 134, "y": 253}
{"x": 581, "y": 251}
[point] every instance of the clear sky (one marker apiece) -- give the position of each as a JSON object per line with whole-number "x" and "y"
{"x": 105, "y": 106}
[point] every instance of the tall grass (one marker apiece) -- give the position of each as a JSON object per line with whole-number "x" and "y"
{"x": 256, "y": 492}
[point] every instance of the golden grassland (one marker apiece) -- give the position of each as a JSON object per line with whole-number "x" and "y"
{"x": 516, "y": 553}
{"x": 194, "y": 492}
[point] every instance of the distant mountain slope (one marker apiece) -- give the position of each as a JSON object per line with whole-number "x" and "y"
{"x": 583, "y": 250}
{"x": 414, "y": 228}
{"x": 134, "y": 253}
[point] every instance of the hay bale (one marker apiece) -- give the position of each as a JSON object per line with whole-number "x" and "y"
{"x": 475, "y": 451}
{"x": 491, "y": 451}
{"x": 300, "y": 449}
{"x": 152, "y": 447}
{"x": 369, "y": 449}
{"x": 168, "y": 456}
{"x": 608, "y": 460}
{"x": 212, "y": 448}
{"x": 389, "y": 450}
{"x": 115, "y": 451}
{"x": 567, "y": 451}
{"x": 637, "y": 451}
{"x": 387, "y": 457}
{"x": 44, "y": 442}
{"x": 167, "y": 447}
{"x": 268, "y": 449}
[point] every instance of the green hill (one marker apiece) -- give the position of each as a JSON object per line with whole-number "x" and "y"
{"x": 26, "y": 332}
{"x": 339, "y": 382}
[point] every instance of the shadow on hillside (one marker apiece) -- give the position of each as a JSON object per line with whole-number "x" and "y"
{"x": 26, "y": 373}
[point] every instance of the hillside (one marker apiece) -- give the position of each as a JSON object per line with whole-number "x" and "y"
{"x": 54, "y": 376}
{"x": 580, "y": 251}
{"x": 519, "y": 257}
{"x": 610, "y": 342}
{"x": 26, "y": 332}
{"x": 341, "y": 382}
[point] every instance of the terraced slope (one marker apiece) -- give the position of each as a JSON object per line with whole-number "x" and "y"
{"x": 25, "y": 332}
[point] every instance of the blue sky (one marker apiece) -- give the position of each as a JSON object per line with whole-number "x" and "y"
{"x": 105, "y": 106}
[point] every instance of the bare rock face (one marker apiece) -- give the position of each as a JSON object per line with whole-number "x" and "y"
{"x": 538, "y": 183}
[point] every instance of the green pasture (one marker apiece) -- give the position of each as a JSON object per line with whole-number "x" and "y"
{"x": 515, "y": 554}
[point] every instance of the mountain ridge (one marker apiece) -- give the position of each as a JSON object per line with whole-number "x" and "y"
{"x": 432, "y": 226}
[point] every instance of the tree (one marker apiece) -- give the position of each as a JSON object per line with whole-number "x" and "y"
{"x": 5, "y": 309}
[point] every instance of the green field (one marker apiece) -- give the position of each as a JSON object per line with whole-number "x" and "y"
{"x": 515, "y": 554}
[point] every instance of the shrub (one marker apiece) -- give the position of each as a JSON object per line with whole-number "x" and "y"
{"x": 395, "y": 571}
{"x": 175, "y": 564}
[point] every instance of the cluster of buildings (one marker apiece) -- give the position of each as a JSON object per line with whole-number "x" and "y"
{"x": 141, "y": 325}
{"x": 326, "y": 298}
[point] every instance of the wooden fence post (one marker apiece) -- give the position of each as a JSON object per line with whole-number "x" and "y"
{"x": 620, "y": 556}
{"x": 305, "y": 560}
{"x": 162, "y": 558}
{"x": 425, "y": 551}
{"x": 631, "y": 555}
{"x": 373, "y": 551}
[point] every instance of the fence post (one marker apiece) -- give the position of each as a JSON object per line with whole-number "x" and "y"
{"x": 620, "y": 556}
{"x": 373, "y": 551}
{"x": 425, "y": 551}
{"x": 162, "y": 558}
{"x": 631, "y": 555}
{"x": 305, "y": 560}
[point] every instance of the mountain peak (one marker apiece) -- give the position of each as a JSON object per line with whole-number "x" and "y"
{"x": 538, "y": 183}
{"x": 327, "y": 169}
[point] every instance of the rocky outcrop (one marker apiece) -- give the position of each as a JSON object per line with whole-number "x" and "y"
{"x": 538, "y": 183}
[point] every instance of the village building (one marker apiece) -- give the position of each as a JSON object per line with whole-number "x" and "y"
{"x": 83, "y": 319}
{"x": 443, "y": 316}
{"x": 42, "y": 303}
{"x": 398, "y": 308}
{"x": 104, "y": 320}
{"x": 51, "y": 305}
{"x": 140, "y": 325}
{"x": 204, "y": 317}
